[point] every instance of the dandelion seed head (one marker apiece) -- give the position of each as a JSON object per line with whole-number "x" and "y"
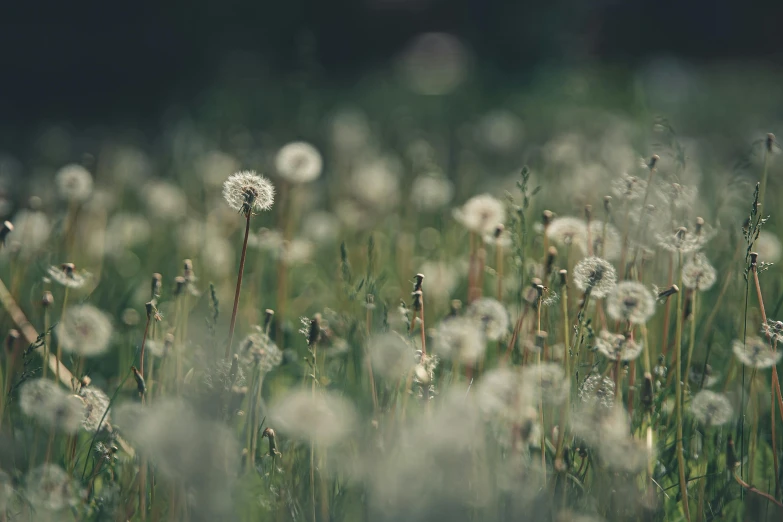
{"x": 442, "y": 279}
{"x": 698, "y": 273}
{"x": 629, "y": 188}
{"x": 499, "y": 130}
{"x": 217, "y": 255}
{"x": 96, "y": 404}
{"x": 604, "y": 238}
{"x": 164, "y": 201}
{"x": 630, "y": 301}
{"x": 74, "y": 183}
{"x": 258, "y": 348}
{"x": 30, "y": 234}
{"x": 66, "y": 276}
{"x": 125, "y": 231}
{"x": 682, "y": 241}
{"x": 755, "y": 353}
{"x": 390, "y": 355}
{"x": 711, "y": 409}
{"x": 546, "y": 383}
{"x": 768, "y": 247}
{"x": 84, "y": 330}
{"x": 460, "y": 339}
{"x": 567, "y": 231}
{"x": 597, "y": 389}
{"x": 321, "y": 227}
{"x": 46, "y": 402}
{"x": 491, "y": 315}
{"x": 376, "y": 184}
{"x": 246, "y": 191}
{"x": 481, "y": 214}
{"x": 596, "y": 274}
{"x": 431, "y": 192}
{"x": 501, "y": 393}
{"x": 617, "y": 346}
{"x": 296, "y": 251}
{"x": 325, "y": 418}
{"x": 50, "y": 488}
{"x": 299, "y": 162}
{"x": 703, "y": 373}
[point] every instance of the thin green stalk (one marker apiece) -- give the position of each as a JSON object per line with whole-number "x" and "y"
{"x": 566, "y": 369}
{"x": 678, "y": 405}
{"x": 692, "y": 340}
{"x": 59, "y": 348}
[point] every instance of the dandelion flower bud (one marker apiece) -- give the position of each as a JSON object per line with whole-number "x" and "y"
{"x": 10, "y": 340}
{"x": 299, "y": 162}
{"x": 653, "y": 161}
{"x": 246, "y": 192}
{"x": 47, "y": 299}
{"x": 74, "y": 183}
{"x": 596, "y": 276}
{"x": 157, "y": 283}
{"x": 770, "y": 141}
{"x": 630, "y": 301}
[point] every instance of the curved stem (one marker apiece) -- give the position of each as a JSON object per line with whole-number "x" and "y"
{"x": 239, "y": 286}
{"x": 678, "y": 388}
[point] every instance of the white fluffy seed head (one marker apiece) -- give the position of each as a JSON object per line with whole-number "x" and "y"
{"x": 84, "y": 330}
{"x": 430, "y": 192}
{"x": 768, "y": 247}
{"x": 755, "y": 353}
{"x": 390, "y": 354}
{"x": 711, "y": 409}
{"x": 74, "y": 183}
{"x": 68, "y": 278}
{"x": 481, "y": 214}
{"x": 96, "y": 408}
{"x": 491, "y": 315}
{"x": 567, "y": 231}
{"x": 46, "y": 402}
{"x": 460, "y": 339}
{"x": 630, "y": 301}
{"x": 325, "y": 418}
{"x": 698, "y": 273}
{"x": 246, "y": 191}
{"x": 299, "y": 162}
{"x": 617, "y": 346}
{"x": 51, "y": 488}
{"x": 596, "y": 274}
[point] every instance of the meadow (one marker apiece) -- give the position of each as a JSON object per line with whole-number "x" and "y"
{"x": 548, "y": 304}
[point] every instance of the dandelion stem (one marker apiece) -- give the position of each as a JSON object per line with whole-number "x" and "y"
{"x": 248, "y": 214}
{"x": 678, "y": 405}
{"x": 692, "y": 340}
{"x": 59, "y": 347}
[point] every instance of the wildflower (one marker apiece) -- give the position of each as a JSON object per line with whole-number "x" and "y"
{"x": 546, "y": 382}
{"x": 49, "y": 487}
{"x": 442, "y": 278}
{"x": 325, "y": 418}
{"x": 30, "y": 232}
{"x": 595, "y": 275}
{"x": 481, "y": 214}
{"x": 698, "y": 273}
{"x": 65, "y": 275}
{"x": 246, "y": 191}
{"x": 491, "y": 315}
{"x": 96, "y": 408}
{"x": 431, "y": 192}
{"x": 711, "y": 409}
{"x": 629, "y": 188}
{"x": 630, "y": 301}
{"x": 376, "y": 184}
{"x": 321, "y": 227}
{"x": 617, "y": 346}
{"x": 262, "y": 350}
{"x": 567, "y": 231}
{"x": 165, "y": 201}
{"x": 604, "y": 238}
{"x": 390, "y": 354}
{"x": 84, "y": 330}
{"x": 299, "y": 162}
{"x": 597, "y": 389}
{"x": 756, "y": 353}
{"x": 125, "y": 231}
{"x": 500, "y": 237}
{"x": 74, "y": 183}
{"x": 768, "y": 247}
{"x": 681, "y": 241}
{"x": 46, "y": 402}
{"x": 460, "y": 339}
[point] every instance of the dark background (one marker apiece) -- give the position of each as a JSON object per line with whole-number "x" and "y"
{"x": 104, "y": 61}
